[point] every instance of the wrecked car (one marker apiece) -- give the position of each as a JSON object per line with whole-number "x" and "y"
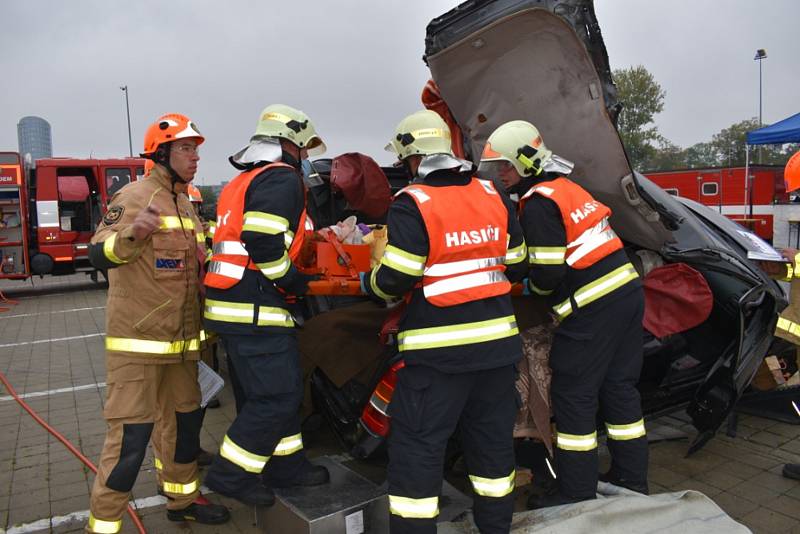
{"x": 545, "y": 62}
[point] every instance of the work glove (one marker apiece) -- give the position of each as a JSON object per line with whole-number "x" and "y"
{"x": 297, "y": 283}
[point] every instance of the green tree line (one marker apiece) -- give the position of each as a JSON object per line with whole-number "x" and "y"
{"x": 642, "y": 98}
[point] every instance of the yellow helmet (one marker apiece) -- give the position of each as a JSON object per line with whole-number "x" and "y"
{"x": 291, "y": 124}
{"x": 519, "y": 143}
{"x": 422, "y": 133}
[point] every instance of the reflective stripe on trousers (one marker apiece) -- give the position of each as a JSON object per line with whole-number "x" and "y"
{"x": 576, "y": 442}
{"x": 459, "y": 334}
{"x": 426, "y": 508}
{"x": 788, "y": 326}
{"x": 288, "y": 445}
{"x": 250, "y": 462}
{"x": 176, "y": 487}
{"x": 599, "y": 288}
{"x": 102, "y": 526}
{"x": 626, "y": 432}
{"x": 493, "y": 487}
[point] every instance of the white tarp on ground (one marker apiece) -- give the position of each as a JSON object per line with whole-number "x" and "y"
{"x": 618, "y": 510}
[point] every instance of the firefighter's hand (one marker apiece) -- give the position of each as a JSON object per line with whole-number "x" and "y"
{"x": 147, "y": 221}
{"x": 789, "y": 253}
{"x": 298, "y": 283}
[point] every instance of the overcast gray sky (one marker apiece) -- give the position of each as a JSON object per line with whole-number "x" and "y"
{"x": 354, "y": 66}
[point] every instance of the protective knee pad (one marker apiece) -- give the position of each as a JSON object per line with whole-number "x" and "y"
{"x": 131, "y": 454}
{"x": 188, "y": 442}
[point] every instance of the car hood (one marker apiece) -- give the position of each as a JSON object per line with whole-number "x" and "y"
{"x": 544, "y": 62}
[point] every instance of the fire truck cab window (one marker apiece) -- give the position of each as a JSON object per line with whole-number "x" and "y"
{"x": 710, "y": 189}
{"x": 139, "y": 173}
{"x": 672, "y": 191}
{"x": 74, "y": 204}
{"x": 116, "y": 179}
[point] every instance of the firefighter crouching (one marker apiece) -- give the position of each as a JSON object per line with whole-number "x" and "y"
{"x": 578, "y": 263}
{"x": 148, "y": 242}
{"x": 454, "y": 245}
{"x": 261, "y": 219}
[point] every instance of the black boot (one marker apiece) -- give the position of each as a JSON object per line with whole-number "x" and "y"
{"x": 231, "y": 481}
{"x": 307, "y": 474}
{"x": 612, "y": 478}
{"x": 213, "y": 403}
{"x": 202, "y": 511}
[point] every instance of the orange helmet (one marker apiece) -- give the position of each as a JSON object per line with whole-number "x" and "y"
{"x": 168, "y": 128}
{"x": 791, "y": 175}
{"x": 194, "y": 194}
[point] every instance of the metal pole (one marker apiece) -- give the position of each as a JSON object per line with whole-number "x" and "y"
{"x": 128, "y": 112}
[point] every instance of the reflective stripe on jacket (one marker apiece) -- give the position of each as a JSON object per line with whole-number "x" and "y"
{"x": 590, "y": 238}
{"x": 468, "y": 243}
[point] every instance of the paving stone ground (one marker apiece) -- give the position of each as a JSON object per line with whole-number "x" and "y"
{"x": 53, "y": 339}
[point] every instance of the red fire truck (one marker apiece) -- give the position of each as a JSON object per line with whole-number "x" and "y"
{"x": 48, "y": 212}
{"x": 724, "y": 188}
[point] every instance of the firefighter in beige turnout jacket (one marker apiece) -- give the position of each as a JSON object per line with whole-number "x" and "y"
{"x": 148, "y": 242}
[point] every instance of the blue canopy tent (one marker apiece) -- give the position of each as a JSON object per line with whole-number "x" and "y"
{"x": 785, "y": 131}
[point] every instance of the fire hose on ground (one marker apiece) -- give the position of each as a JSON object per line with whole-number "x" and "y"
{"x": 66, "y": 442}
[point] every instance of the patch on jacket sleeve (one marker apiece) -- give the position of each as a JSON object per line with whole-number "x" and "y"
{"x": 113, "y": 215}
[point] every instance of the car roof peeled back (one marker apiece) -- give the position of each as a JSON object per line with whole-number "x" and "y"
{"x": 507, "y": 60}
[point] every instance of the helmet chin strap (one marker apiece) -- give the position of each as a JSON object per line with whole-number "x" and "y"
{"x": 162, "y": 158}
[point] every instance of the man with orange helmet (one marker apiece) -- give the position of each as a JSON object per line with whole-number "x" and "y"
{"x": 148, "y": 242}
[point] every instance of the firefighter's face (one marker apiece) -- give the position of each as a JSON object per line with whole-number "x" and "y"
{"x": 507, "y": 174}
{"x": 183, "y": 158}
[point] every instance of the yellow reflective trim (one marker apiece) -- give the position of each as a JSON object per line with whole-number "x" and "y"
{"x": 270, "y": 316}
{"x": 597, "y": 289}
{"x": 426, "y": 508}
{"x": 788, "y": 326}
{"x": 576, "y": 442}
{"x": 181, "y": 489}
{"x": 108, "y": 249}
{"x": 250, "y": 462}
{"x": 457, "y": 334}
{"x": 626, "y": 432}
{"x": 266, "y": 223}
{"x": 516, "y": 254}
{"x": 172, "y": 222}
{"x": 373, "y": 283}
{"x": 539, "y": 291}
{"x": 149, "y": 346}
{"x": 158, "y": 464}
{"x": 101, "y": 526}
{"x": 546, "y": 255}
{"x": 201, "y": 238}
{"x": 275, "y": 269}
{"x": 288, "y": 445}
{"x": 493, "y": 487}
{"x": 405, "y": 262}
{"x": 230, "y": 312}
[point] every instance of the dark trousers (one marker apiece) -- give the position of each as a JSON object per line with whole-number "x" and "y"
{"x": 267, "y": 368}
{"x": 596, "y": 360}
{"x": 426, "y": 408}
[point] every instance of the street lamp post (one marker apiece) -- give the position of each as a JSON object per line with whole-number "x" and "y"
{"x": 760, "y": 55}
{"x": 124, "y": 89}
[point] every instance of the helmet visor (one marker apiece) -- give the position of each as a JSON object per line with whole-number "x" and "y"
{"x": 501, "y": 172}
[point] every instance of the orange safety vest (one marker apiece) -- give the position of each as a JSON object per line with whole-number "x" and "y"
{"x": 590, "y": 238}
{"x": 468, "y": 242}
{"x": 229, "y": 257}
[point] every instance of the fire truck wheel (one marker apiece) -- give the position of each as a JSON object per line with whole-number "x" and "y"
{"x": 42, "y": 264}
